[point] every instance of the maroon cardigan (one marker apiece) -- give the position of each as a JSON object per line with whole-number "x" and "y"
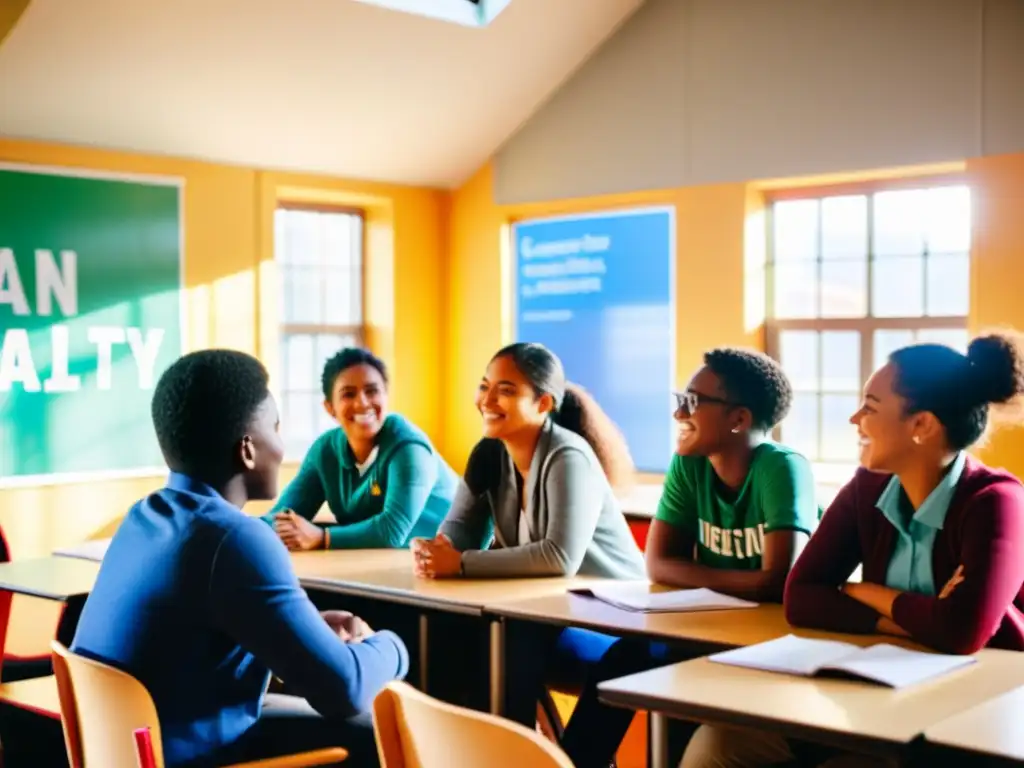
{"x": 983, "y": 531}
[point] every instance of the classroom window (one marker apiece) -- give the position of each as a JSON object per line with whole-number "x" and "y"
{"x": 319, "y": 254}
{"x": 852, "y": 277}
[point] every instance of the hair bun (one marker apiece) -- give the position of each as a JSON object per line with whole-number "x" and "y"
{"x": 997, "y": 363}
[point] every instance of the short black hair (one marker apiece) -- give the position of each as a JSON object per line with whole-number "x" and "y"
{"x": 202, "y": 407}
{"x": 344, "y": 360}
{"x": 959, "y": 389}
{"x": 752, "y": 379}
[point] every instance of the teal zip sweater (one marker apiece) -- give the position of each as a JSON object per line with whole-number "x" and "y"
{"x": 405, "y": 493}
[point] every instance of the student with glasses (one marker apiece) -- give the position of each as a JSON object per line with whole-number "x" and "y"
{"x": 737, "y": 508}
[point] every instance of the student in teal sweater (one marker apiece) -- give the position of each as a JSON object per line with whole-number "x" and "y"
{"x": 378, "y": 473}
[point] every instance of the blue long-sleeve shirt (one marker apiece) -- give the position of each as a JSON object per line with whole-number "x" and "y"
{"x": 200, "y": 602}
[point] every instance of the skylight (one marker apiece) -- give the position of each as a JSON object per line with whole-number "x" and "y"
{"x": 471, "y": 13}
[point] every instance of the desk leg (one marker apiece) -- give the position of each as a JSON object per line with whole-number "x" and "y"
{"x": 657, "y": 740}
{"x": 424, "y": 654}
{"x": 497, "y": 666}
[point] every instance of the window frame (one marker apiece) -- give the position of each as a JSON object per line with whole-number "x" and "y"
{"x": 288, "y": 330}
{"x": 867, "y": 325}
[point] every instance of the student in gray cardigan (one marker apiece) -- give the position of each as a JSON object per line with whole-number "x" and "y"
{"x": 537, "y": 500}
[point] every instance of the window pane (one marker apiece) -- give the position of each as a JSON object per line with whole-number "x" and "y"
{"x": 949, "y": 279}
{"x": 899, "y": 222}
{"x": 844, "y": 227}
{"x": 301, "y": 370}
{"x": 344, "y": 296}
{"x": 844, "y": 288}
{"x": 338, "y": 240}
{"x": 299, "y": 422}
{"x": 838, "y": 435}
{"x": 795, "y": 230}
{"x": 887, "y": 341}
{"x": 897, "y": 287}
{"x": 840, "y": 361}
{"x": 302, "y": 237}
{"x": 800, "y": 427}
{"x": 794, "y": 286}
{"x": 304, "y": 295}
{"x": 948, "y": 220}
{"x": 957, "y": 338}
{"x": 798, "y": 356}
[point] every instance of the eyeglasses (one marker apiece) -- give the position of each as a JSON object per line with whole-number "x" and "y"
{"x": 689, "y": 400}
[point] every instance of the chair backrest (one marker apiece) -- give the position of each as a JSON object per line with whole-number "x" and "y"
{"x": 101, "y": 708}
{"x": 414, "y": 730}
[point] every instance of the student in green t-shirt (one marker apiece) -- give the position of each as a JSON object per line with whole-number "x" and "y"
{"x": 737, "y": 508}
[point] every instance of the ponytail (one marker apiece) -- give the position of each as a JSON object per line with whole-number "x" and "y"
{"x": 580, "y": 413}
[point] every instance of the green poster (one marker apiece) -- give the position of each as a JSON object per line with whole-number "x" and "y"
{"x": 90, "y": 316}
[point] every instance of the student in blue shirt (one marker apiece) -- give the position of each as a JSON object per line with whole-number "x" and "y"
{"x": 199, "y": 601}
{"x": 378, "y": 472}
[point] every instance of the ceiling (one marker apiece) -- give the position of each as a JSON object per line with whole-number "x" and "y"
{"x": 346, "y": 88}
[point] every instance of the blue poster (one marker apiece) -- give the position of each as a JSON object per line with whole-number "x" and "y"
{"x": 598, "y": 290}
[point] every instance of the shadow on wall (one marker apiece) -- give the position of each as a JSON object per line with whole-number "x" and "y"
{"x": 10, "y": 12}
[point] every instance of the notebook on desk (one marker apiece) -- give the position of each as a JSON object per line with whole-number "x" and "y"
{"x": 640, "y": 598}
{"x": 884, "y": 664}
{"x": 90, "y": 550}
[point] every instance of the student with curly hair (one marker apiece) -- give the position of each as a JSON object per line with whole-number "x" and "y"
{"x": 737, "y": 507}
{"x": 940, "y": 535}
{"x": 380, "y": 475}
{"x": 199, "y": 602}
{"x": 540, "y": 486}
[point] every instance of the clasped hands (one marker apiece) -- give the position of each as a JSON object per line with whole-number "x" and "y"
{"x": 347, "y": 626}
{"x": 297, "y": 532}
{"x": 436, "y": 558}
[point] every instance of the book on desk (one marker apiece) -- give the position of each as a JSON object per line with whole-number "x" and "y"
{"x": 640, "y": 597}
{"x": 884, "y": 664}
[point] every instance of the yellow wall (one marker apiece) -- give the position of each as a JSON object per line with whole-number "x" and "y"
{"x": 228, "y": 213}
{"x": 720, "y": 232}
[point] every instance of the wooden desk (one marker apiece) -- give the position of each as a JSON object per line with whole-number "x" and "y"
{"x": 52, "y": 578}
{"x": 703, "y": 632}
{"x": 861, "y": 717}
{"x": 991, "y": 728}
{"x": 388, "y": 575}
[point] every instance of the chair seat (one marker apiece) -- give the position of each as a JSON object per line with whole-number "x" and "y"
{"x": 38, "y": 694}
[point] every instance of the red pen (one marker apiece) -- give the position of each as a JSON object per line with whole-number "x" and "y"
{"x": 144, "y": 748}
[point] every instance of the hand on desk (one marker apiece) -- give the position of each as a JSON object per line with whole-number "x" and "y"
{"x": 350, "y": 628}
{"x": 297, "y": 532}
{"x": 436, "y": 558}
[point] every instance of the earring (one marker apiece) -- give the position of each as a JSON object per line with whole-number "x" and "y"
{"x": 916, "y": 439}
{"x": 735, "y": 430}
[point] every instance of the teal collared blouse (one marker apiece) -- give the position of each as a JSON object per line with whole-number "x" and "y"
{"x": 910, "y": 568}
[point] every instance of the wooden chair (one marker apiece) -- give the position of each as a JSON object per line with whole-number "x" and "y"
{"x": 103, "y": 707}
{"x": 417, "y": 731}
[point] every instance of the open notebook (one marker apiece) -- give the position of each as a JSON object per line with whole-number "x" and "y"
{"x": 883, "y": 663}
{"x": 640, "y": 597}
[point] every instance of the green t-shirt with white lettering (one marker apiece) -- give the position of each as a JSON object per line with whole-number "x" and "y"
{"x": 778, "y": 494}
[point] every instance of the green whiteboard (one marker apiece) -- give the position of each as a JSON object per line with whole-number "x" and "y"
{"x": 91, "y": 314}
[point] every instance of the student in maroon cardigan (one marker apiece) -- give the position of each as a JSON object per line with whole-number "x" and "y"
{"x": 940, "y": 535}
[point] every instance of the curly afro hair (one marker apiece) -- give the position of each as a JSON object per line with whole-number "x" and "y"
{"x": 345, "y": 359}
{"x": 755, "y": 381}
{"x": 202, "y": 407}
